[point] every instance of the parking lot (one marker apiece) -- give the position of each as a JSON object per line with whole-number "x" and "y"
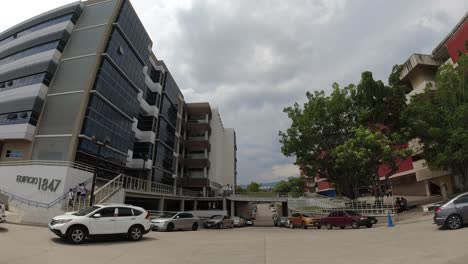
{"x": 413, "y": 242}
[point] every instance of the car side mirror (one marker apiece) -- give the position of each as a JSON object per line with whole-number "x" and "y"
{"x": 177, "y": 217}
{"x": 97, "y": 216}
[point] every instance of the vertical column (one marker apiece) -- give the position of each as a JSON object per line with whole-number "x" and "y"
{"x": 182, "y": 205}
{"x": 428, "y": 188}
{"x": 161, "y": 204}
{"x": 232, "y": 208}
{"x": 204, "y": 191}
{"x": 224, "y": 204}
{"x": 195, "y": 205}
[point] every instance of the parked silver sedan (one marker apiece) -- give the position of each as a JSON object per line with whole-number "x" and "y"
{"x": 454, "y": 213}
{"x": 175, "y": 221}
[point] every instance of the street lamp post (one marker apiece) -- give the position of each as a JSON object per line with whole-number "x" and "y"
{"x": 98, "y": 158}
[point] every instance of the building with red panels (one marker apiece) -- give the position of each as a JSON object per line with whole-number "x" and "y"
{"x": 413, "y": 176}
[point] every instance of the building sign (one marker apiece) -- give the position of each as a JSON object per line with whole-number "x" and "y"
{"x": 42, "y": 184}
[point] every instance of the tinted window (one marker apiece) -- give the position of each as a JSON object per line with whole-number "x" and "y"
{"x": 107, "y": 212}
{"x": 333, "y": 214}
{"x": 137, "y": 212}
{"x": 295, "y": 215}
{"x": 340, "y": 214}
{"x": 86, "y": 211}
{"x": 463, "y": 199}
{"x": 125, "y": 211}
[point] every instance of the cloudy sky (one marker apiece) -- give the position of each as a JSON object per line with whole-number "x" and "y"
{"x": 253, "y": 58}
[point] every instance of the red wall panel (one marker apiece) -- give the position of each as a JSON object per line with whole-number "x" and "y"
{"x": 457, "y": 42}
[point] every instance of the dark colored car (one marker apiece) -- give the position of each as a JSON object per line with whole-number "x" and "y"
{"x": 343, "y": 219}
{"x": 454, "y": 213}
{"x": 281, "y": 221}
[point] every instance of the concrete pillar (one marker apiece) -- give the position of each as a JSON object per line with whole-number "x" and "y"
{"x": 161, "y": 204}
{"x": 224, "y": 204}
{"x": 195, "y": 205}
{"x": 428, "y": 188}
{"x": 204, "y": 191}
{"x": 232, "y": 208}
{"x": 182, "y": 205}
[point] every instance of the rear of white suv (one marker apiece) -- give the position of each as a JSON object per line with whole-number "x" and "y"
{"x": 2, "y": 211}
{"x": 101, "y": 220}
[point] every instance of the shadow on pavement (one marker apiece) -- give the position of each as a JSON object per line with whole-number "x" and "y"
{"x": 3, "y": 230}
{"x": 102, "y": 241}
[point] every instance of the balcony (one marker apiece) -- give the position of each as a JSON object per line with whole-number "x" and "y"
{"x": 198, "y": 145}
{"x": 418, "y": 61}
{"x": 194, "y": 182}
{"x": 195, "y": 162}
{"x": 198, "y": 127}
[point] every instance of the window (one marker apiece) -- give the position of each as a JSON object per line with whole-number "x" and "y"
{"x": 334, "y": 214}
{"x": 463, "y": 199}
{"x": 340, "y": 213}
{"x": 107, "y": 212}
{"x": 185, "y": 215}
{"x": 34, "y": 50}
{"x": 137, "y": 212}
{"x": 295, "y": 215}
{"x": 125, "y": 212}
{"x": 16, "y": 154}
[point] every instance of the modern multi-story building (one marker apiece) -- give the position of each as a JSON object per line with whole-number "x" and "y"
{"x": 209, "y": 158}
{"x": 414, "y": 177}
{"x": 81, "y": 83}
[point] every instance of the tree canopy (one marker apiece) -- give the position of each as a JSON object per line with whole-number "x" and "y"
{"x": 292, "y": 185}
{"x": 253, "y": 187}
{"x": 354, "y": 121}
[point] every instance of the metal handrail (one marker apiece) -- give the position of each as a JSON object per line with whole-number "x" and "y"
{"x": 13, "y": 197}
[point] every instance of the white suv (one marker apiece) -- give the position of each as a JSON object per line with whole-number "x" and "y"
{"x": 102, "y": 219}
{"x": 2, "y": 211}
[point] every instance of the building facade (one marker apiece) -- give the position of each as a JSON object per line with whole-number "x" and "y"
{"x": 413, "y": 176}
{"x": 209, "y": 158}
{"x": 81, "y": 83}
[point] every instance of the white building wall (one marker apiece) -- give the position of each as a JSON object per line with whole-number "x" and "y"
{"x": 222, "y": 155}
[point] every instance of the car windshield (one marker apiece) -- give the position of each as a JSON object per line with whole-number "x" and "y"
{"x": 216, "y": 217}
{"x": 352, "y": 213}
{"x": 86, "y": 211}
{"x": 167, "y": 215}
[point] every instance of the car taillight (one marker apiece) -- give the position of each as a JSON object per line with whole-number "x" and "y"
{"x": 148, "y": 216}
{"x": 437, "y": 210}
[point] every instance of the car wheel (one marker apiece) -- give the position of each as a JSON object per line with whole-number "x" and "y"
{"x": 220, "y": 226}
{"x": 369, "y": 225}
{"x": 170, "y": 227}
{"x": 291, "y": 225}
{"x": 319, "y": 227}
{"x": 77, "y": 235}
{"x": 342, "y": 227}
{"x": 454, "y": 222}
{"x": 355, "y": 225}
{"x": 329, "y": 226}
{"x": 195, "y": 226}
{"x": 303, "y": 225}
{"x": 135, "y": 233}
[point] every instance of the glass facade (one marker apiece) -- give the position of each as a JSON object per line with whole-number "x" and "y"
{"x": 142, "y": 148}
{"x": 166, "y": 133}
{"x": 48, "y": 23}
{"x": 146, "y": 123}
{"x": 169, "y": 111}
{"x": 59, "y": 45}
{"x": 110, "y": 84}
{"x": 133, "y": 28}
{"x": 121, "y": 53}
{"x": 164, "y": 158}
{"x": 25, "y": 81}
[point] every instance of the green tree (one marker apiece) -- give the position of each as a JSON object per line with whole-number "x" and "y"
{"x": 239, "y": 189}
{"x": 253, "y": 187}
{"x": 292, "y": 185}
{"x": 282, "y": 187}
{"x": 326, "y": 122}
{"x": 357, "y": 160}
{"x": 439, "y": 119}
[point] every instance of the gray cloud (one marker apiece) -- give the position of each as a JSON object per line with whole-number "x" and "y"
{"x": 252, "y": 58}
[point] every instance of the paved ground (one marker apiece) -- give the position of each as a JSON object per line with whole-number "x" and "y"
{"x": 408, "y": 242}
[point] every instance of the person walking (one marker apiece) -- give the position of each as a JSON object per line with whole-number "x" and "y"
{"x": 78, "y": 192}
{"x": 71, "y": 196}
{"x": 83, "y": 192}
